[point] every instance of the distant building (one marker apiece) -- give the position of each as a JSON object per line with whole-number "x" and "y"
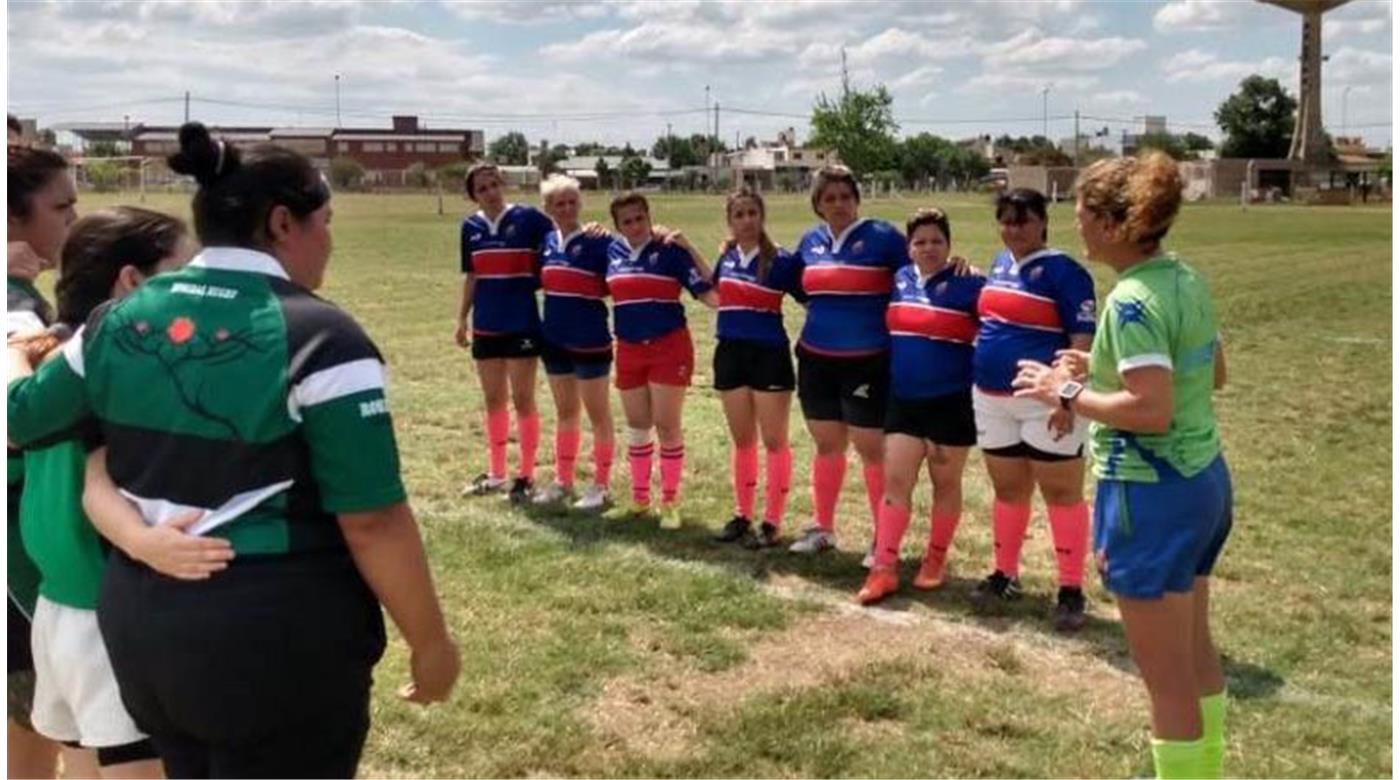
{"x": 585, "y": 169}
{"x": 772, "y": 164}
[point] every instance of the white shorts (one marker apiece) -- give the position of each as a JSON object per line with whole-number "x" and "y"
{"x": 75, "y": 693}
{"x": 1005, "y": 421}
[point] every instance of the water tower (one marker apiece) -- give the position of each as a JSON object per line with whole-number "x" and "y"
{"x": 1309, "y": 144}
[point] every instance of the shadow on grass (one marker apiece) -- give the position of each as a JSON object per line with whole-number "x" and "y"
{"x": 836, "y": 570}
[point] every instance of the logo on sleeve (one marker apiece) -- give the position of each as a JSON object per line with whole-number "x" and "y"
{"x": 1087, "y": 311}
{"x": 375, "y": 408}
{"x": 857, "y": 247}
{"x": 1129, "y": 312}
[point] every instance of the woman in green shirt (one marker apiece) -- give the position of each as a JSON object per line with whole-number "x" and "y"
{"x": 229, "y": 389}
{"x": 1163, "y": 510}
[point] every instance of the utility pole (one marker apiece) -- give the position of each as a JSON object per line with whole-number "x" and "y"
{"x": 337, "y": 101}
{"x": 1045, "y": 112}
{"x": 845, "y": 75}
{"x": 1344, "y": 110}
{"x": 1076, "y": 139}
{"x": 187, "y": 105}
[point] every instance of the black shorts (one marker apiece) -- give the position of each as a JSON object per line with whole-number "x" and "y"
{"x": 506, "y": 345}
{"x": 757, "y": 366}
{"x": 261, "y": 671}
{"x": 852, "y": 390}
{"x": 944, "y": 419}
{"x": 584, "y": 364}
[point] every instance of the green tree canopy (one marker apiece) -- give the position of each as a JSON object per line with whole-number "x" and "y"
{"x": 1257, "y": 120}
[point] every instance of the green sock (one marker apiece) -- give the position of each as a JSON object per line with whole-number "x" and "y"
{"x": 1213, "y": 735}
{"x": 1177, "y": 760}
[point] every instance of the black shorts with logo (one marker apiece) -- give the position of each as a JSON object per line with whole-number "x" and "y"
{"x": 506, "y": 345}
{"x": 852, "y": 390}
{"x": 758, "y": 366}
{"x": 943, "y": 419}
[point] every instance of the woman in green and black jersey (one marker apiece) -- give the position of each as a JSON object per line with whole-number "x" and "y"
{"x": 230, "y": 389}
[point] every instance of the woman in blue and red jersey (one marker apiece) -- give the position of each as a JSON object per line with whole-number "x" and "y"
{"x": 500, "y": 319}
{"x": 753, "y": 368}
{"x": 1037, "y": 301}
{"x": 843, "y": 353}
{"x": 655, "y": 355}
{"x": 932, "y": 319}
{"x": 577, "y": 344}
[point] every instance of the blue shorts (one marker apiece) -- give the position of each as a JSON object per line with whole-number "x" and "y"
{"x": 1155, "y": 538}
{"x": 589, "y": 364}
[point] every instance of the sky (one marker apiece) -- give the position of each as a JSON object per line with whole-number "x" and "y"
{"x": 625, "y": 70}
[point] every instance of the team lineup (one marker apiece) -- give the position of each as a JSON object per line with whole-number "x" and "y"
{"x": 228, "y": 433}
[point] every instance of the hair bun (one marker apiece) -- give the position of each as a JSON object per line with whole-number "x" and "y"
{"x": 202, "y": 157}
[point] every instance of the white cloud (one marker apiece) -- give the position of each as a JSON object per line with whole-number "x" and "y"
{"x": 1196, "y": 15}
{"x": 1118, "y": 98}
{"x": 1197, "y": 66}
{"x": 925, "y": 76}
{"x": 1358, "y": 66}
{"x": 531, "y": 13}
{"x": 1033, "y": 50}
{"x": 661, "y": 41}
{"x": 1022, "y": 85}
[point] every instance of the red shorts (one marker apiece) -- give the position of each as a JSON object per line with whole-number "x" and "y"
{"x": 668, "y": 360}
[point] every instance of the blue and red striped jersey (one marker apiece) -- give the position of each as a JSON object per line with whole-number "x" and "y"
{"x": 1029, "y": 309}
{"x": 503, "y": 256}
{"x": 847, "y": 279}
{"x": 646, "y": 284}
{"x": 751, "y": 309}
{"x": 933, "y": 323}
{"x": 573, "y": 272}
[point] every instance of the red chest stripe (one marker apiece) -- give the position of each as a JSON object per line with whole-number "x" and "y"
{"x": 560, "y": 280}
{"x": 846, "y": 280}
{"x": 737, "y": 294}
{"x": 637, "y": 288}
{"x": 913, "y": 319}
{"x": 501, "y": 263}
{"x": 1018, "y": 308}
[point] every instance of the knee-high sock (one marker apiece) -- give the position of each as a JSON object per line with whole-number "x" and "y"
{"x": 497, "y": 437}
{"x": 529, "y": 426}
{"x": 828, "y": 472}
{"x": 602, "y": 460}
{"x": 639, "y": 456}
{"x": 744, "y": 464}
{"x": 940, "y": 536}
{"x": 1069, "y": 528}
{"x": 1177, "y": 760}
{"x": 874, "y": 491}
{"x": 777, "y": 485}
{"x": 566, "y": 441}
{"x": 1009, "y": 523}
{"x": 672, "y": 467}
{"x": 894, "y": 521}
{"x": 1213, "y": 736}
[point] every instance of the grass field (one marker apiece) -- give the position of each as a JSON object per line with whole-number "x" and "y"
{"x": 618, "y": 649}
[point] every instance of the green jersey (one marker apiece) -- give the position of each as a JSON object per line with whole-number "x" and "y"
{"x": 25, "y": 310}
{"x": 1159, "y": 314}
{"x": 57, "y": 535}
{"x": 224, "y": 387}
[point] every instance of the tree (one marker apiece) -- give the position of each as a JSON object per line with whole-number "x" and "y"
{"x": 924, "y": 158}
{"x": 1174, "y": 147}
{"x": 1195, "y": 142}
{"x": 510, "y": 149}
{"x": 416, "y": 175}
{"x": 588, "y": 149}
{"x": 604, "y": 174}
{"x": 1383, "y": 170}
{"x": 102, "y": 149}
{"x": 547, "y": 161}
{"x": 860, "y": 126}
{"x": 1257, "y": 120}
{"x": 634, "y": 171}
{"x": 346, "y": 173}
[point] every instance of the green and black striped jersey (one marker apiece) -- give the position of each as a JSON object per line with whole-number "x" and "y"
{"x": 227, "y": 388}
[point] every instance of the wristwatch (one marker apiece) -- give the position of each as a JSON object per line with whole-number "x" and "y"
{"x": 1068, "y": 392}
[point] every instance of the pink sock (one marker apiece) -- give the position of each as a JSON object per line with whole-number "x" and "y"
{"x": 889, "y": 532}
{"x": 672, "y": 466}
{"x": 778, "y": 484}
{"x": 529, "y": 427}
{"x": 828, "y": 472}
{"x": 940, "y": 536}
{"x": 875, "y": 492}
{"x": 1009, "y": 523}
{"x": 602, "y": 461}
{"x": 639, "y": 459}
{"x": 745, "y": 464}
{"x": 566, "y": 441}
{"x": 1069, "y": 527}
{"x": 497, "y": 436}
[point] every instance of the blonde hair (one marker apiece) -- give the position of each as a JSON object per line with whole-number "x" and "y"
{"x": 832, "y": 174}
{"x": 1141, "y": 194}
{"x": 557, "y": 183}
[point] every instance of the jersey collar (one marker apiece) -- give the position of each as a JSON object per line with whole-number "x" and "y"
{"x": 924, "y": 280}
{"x": 493, "y": 226}
{"x": 746, "y": 258}
{"x": 564, "y": 240}
{"x": 1151, "y": 262}
{"x": 633, "y": 255}
{"x": 1022, "y": 262}
{"x": 230, "y": 258}
{"x": 838, "y": 241}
